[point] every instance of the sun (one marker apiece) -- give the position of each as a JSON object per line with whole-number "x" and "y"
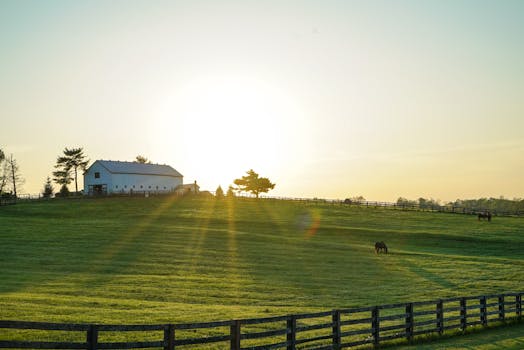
{"x": 229, "y": 124}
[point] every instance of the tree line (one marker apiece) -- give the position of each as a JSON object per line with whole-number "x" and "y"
{"x": 501, "y": 204}
{"x": 73, "y": 162}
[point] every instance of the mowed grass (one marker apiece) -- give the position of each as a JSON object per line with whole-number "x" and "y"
{"x": 168, "y": 260}
{"x": 505, "y": 337}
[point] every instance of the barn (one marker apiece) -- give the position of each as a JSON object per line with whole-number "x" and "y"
{"x": 107, "y": 176}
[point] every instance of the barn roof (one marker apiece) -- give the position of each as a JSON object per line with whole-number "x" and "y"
{"x": 117, "y": 167}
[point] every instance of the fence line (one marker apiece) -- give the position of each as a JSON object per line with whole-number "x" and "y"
{"x": 336, "y": 329}
{"x": 448, "y": 208}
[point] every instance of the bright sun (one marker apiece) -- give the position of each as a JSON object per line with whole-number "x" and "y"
{"x": 227, "y": 125}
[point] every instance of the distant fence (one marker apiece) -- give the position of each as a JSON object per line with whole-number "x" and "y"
{"x": 337, "y": 329}
{"x": 447, "y": 208}
{"x": 7, "y": 201}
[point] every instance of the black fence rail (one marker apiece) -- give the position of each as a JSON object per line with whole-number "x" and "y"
{"x": 7, "y": 201}
{"x": 447, "y": 208}
{"x": 429, "y": 207}
{"x": 336, "y": 329}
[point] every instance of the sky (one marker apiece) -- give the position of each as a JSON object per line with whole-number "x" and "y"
{"x": 328, "y": 99}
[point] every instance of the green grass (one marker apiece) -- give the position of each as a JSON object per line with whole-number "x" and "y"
{"x": 156, "y": 260}
{"x": 506, "y": 337}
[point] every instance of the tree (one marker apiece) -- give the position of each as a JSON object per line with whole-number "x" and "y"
{"x": 4, "y": 175}
{"x": 253, "y": 183}
{"x": 4, "y": 171}
{"x": 403, "y": 202}
{"x": 64, "y": 191}
{"x": 14, "y": 177}
{"x": 142, "y": 159}
{"x": 219, "y": 193}
{"x": 72, "y": 160}
{"x": 48, "y": 188}
{"x": 230, "y": 192}
{"x": 62, "y": 178}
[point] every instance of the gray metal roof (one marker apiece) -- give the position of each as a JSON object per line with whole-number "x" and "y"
{"x": 117, "y": 167}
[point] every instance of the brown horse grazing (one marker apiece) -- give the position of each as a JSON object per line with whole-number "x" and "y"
{"x": 484, "y": 216}
{"x": 381, "y": 247}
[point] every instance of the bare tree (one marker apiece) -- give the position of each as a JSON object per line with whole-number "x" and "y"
{"x": 15, "y": 179}
{"x": 4, "y": 175}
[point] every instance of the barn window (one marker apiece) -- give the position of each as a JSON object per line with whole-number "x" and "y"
{"x": 97, "y": 175}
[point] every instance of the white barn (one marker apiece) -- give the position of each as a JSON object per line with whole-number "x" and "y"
{"x": 106, "y": 177}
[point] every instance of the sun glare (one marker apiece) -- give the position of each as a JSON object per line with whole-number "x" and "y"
{"x": 226, "y": 125}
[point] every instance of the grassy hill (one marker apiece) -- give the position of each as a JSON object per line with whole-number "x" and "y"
{"x": 145, "y": 260}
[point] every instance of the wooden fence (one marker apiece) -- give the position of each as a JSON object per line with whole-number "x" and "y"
{"x": 447, "y": 208}
{"x": 336, "y": 329}
{"x": 7, "y": 201}
{"x": 430, "y": 207}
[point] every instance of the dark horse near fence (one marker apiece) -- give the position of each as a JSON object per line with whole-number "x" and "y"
{"x": 485, "y": 216}
{"x": 381, "y": 247}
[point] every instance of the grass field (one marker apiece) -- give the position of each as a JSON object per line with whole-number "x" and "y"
{"x": 163, "y": 260}
{"x": 507, "y": 337}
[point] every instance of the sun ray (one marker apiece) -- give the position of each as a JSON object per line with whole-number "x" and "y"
{"x": 112, "y": 250}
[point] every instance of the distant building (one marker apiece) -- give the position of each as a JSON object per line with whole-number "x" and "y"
{"x": 188, "y": 189}
{"x": 106, "y": 177}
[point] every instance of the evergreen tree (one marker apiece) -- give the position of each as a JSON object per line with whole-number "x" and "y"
{"x": 72, "y": 160}
{"x": 230, "y": 192}
{"x": 219, "y": 194}
{"x": 48, "y": 188}
{"x": 64, "y": 191}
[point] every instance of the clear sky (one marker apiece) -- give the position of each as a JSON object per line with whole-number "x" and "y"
{"x": 329, "y": 99}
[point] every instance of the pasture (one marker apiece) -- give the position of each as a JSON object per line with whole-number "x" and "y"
{"x": 168, "y": 260}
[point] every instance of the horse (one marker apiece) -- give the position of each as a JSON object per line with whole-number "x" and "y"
{"x": 381, "y": 247}
{"x": 484, "y": 216}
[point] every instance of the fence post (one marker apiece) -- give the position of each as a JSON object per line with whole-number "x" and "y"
{"x": 169, "y": 337}
{"x": 336, "y": 329}
{"x": 483, "y": 311}
{"x": 502, "y": 311}
{"x": 235, "y": 335}
{"x": 440, "y": 317}
{"x": 409, "y": 321}
{"x": 375, "y": 326}
{"x": 92, "y": 337}
{"x": 463, "y": 314}
{"x": 291, "y": 336}
{"x": 518, "y": 305}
